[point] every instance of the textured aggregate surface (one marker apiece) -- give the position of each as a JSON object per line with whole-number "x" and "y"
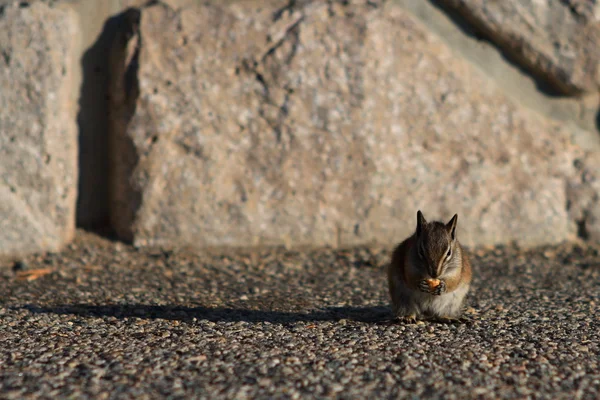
{"x": 111, "y": 321}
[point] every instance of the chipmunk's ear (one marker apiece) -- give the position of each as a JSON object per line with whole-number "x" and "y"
{"x": 420, "y": 222}
{"x": 451, "y": 226}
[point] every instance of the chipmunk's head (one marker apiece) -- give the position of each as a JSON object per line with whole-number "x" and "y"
{"x": 436, "y": 246}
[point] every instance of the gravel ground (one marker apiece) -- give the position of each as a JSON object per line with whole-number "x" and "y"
{"x": 110, "y": 321}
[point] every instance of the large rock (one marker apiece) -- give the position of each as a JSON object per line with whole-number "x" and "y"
{"x": 321, "y": 124}
{"x": 558, "y": 40}
{"x": 38, "y": 134}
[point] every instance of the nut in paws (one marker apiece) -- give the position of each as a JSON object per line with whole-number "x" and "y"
{"x": 435, "y": 287}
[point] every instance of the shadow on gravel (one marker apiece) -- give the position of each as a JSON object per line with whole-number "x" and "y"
{"x": 359, "y": 314}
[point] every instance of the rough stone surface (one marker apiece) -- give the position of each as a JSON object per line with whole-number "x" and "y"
{"x": 38, "y": 136}
{"x": 584, "y": 195}
{"x": 322, "y": 124}
{"x": 111, "y": 321}
{"x": 559, "y": 40}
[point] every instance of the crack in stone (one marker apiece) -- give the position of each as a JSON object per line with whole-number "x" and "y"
{"x": 542, "y": 73}
{"x": 291, "y": 33}
{"x": 290, "y": 6}
{"x": 125, "y": 195}
{"x": 6, "y": 56}
{"x": 281, "y": 38}
{"x": 582, "y": 231}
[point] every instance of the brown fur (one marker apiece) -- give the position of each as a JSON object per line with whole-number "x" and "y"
{"x": 408, "y": 270}
{"x": 466, "y": 273}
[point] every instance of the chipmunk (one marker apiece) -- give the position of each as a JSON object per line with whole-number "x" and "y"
{"x": 429, "y": 274}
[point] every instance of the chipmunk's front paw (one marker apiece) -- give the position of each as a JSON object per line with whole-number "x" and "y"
{"x": 424, "y": 286}
{"x": 439, "y": 289}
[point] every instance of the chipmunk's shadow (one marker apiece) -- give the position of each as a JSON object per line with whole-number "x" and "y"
{"x": 368, "y": 314}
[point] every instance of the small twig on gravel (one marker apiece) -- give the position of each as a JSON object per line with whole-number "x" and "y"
{"x": 33, "y": 274}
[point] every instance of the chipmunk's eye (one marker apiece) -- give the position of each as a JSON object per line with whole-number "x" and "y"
{"x": 449, "y": 253}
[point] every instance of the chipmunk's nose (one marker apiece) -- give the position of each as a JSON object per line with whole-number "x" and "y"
{"x": 433, "y": 273}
